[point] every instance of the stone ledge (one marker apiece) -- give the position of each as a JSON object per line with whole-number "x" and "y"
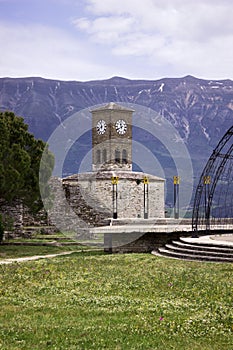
{"x": 107, "y": 175}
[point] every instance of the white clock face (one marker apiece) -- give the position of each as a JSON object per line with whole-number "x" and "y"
{"x": 121, "y": 127}
{"x": 101, "y": 127}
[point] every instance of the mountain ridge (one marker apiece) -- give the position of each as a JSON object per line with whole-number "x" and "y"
{"x": 117, "y": 78}
{"x": 201, "y": 110}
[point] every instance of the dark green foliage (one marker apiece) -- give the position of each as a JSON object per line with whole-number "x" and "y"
{"x": 20, "y": 156}
{"x": 1, "y": 229}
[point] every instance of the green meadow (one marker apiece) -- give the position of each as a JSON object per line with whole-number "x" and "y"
{"x": 12, "y": 251}
{"x": 91, "y": 300}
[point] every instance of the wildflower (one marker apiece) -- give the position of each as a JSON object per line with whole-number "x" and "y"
{"x": 161, "y": 318}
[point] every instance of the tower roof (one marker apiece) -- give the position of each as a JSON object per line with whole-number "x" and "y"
{"x": 112, "y": 106}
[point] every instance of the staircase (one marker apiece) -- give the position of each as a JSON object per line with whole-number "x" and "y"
{"x": 188, "y": 249}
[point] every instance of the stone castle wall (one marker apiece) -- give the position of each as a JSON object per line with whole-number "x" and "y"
{"x": 13, "y": 216}
{"x": 82, "y": 201}
{"x": 96, "y": 190}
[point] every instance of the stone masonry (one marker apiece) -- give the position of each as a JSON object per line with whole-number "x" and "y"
{"x": 96, "y": 189}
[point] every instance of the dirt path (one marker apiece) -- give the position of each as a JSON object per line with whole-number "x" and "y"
{"x": 35, "y": 257}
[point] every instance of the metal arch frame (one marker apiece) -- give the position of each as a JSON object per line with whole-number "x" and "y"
{"x": 215, "y": 180}
{"x": 206, "y": 172}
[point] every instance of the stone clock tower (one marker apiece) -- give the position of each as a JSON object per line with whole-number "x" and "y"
{"x": 112, "y": 190}
{"x": 112, "y": 138}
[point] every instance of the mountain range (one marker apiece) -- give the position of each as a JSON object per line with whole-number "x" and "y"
{"x": 200, "y": 110}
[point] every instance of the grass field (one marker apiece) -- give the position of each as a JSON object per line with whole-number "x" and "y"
{"x": 12, "y": 251}
{"x": 132, "y": 301}
{"x": 16, "y": 251}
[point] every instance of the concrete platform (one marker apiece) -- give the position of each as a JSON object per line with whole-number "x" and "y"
{"x": 224, "y": 239}
{"x": 146, "y": 235}
{"x": 141, "y": 226}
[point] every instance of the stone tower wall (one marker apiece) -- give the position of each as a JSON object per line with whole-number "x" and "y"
{"x": 111, "y": 141}
{"x": 97, "y": 191}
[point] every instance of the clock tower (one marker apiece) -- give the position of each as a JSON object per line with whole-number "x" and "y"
{"x": 112, "y": 190}
{"x": 112, "y": 138}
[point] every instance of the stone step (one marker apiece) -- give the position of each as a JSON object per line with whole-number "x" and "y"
{"x": 187, "y": 256}
{"x": 203, "y": 247}
{"x": 199, "y": 251}
{"x": 212, "y": 243}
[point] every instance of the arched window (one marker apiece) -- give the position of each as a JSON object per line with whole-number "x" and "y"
{"x": 104, "y": 155}
{"x": 98, "y": 157}
{"x": 124, "y": 157}
{"x": 117, "y": 156}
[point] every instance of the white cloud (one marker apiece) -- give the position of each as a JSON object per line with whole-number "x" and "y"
{"x": 104, "y": 29}
{"x": 43, "y": 51}
{"x": 82, "y": 23}
{"x": 176, "y": 19}
{"x": 185, "y": 36}
{"x": 131, "y": 38}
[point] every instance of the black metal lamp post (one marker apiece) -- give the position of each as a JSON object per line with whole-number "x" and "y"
{"x": 114, "y": 195}
{"x": 176, "y": 183}
{"x": 146, "y": 197}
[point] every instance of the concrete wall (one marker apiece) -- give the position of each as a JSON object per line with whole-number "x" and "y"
{"x": 114, "y": 243}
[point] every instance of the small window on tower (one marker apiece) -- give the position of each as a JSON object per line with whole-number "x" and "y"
{"x": 98, "y": 157}
{"x": 117, "y": 156}
{"x": 104, "y": 156}
{"x": 124, "y": 157}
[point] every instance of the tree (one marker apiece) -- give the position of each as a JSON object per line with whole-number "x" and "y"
{"x": 20, "y": 156}
{"x": 1, "y": 229}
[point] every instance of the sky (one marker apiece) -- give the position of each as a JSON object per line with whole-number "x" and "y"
{"x": 86, "y": 40}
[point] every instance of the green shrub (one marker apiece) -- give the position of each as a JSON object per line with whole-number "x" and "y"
{"x": 1, "y": 229}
